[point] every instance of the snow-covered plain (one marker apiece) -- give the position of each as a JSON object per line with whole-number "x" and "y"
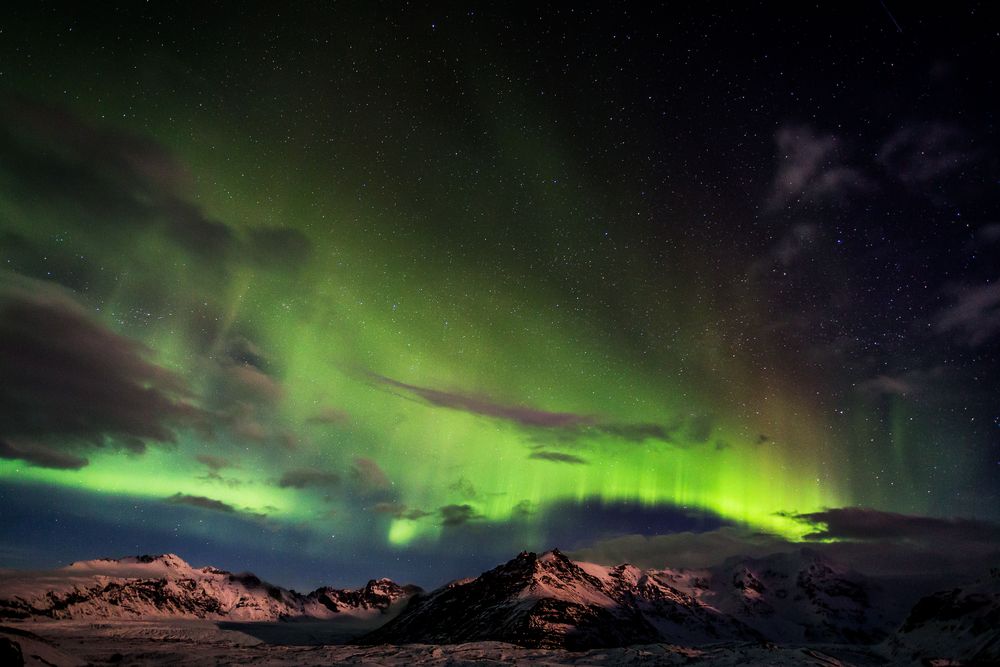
{"x": 198, "y": 642}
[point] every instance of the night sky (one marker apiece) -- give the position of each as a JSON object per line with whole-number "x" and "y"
{"x": 366, "y": 289}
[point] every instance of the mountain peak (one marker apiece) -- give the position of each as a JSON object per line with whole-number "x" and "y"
{"x": 167, "y": 560}
{"x": 553, "y": 555}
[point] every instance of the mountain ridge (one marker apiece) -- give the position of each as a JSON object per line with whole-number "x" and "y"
{"x": 548, "y": 601}
{"x": 165, "y": 585}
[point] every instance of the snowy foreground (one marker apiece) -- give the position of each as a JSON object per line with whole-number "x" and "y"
{"x": 196, "y": 642}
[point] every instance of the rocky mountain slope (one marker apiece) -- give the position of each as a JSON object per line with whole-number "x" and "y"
{"x": 166, "y": 586}
{"x": 799, "y": 597}
{"x": 551, "y": 601}
{"x": 959, "y": 623}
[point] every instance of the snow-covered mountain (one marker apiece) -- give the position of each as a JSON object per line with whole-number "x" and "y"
{"x": 167, "y": 586}
{"x": 962, "y": 623}
{"x": 548, "y": 603}
{"x": 800, "y": 597}
{"x": 551, "y": 601}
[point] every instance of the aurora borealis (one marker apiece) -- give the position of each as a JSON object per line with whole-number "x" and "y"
{"x": 368, "y": 290}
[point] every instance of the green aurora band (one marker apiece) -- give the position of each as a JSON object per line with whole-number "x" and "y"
{"x": 387, "y": 308}
{"x": 416, "y": 318}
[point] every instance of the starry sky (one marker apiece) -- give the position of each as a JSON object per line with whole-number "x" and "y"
{"x": 350, "y": 290}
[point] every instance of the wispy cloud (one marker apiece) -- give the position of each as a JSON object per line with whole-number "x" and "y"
{"x": 548, "y": 426}
{"x": 557, "y": 457}
{"x": 400, "y": 511}
{"x": 458, "y": 515}
{"x": 303, "y": 478}
{"x": 200, "y": 501}
{"x": 810, "y": 169}
{"x": 974, "y": 316}
{"x": 919, "y": 153}
{"x": 368, "y": 476}
{"x": 479, "y": 405}
{"x": 214, "y": 463}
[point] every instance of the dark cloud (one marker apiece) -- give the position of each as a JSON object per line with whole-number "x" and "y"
{"x": 558, "y": 457}
{"x": 368, "y": 477}
{"x": 55, "y": 263}
{"x": 44, "y": 144}
{"x": 71, "y": 385}
{"x": 282, "y": 246}
{"x": 458, "y": 515}
{"x": 400, "y": 511}
{"x": 974, "y": 316}
{"x": 870, "y": 541}
{"x": 41, "y": 456}
{"x": 139, "y": 158}
{"x": 246, "y": 427}
{"x": 696, "y": 429}
{"x": 699, "y": 428}
{"x": 202, "y": 502}
{"x": 990, "y": 233}
{"x": 683, "y": 549}
{"x": 638, "y": 432}
{"x": 329, "y": 415}
{"x": 214, "y": 463}
{"x": 245, "y": 394}
{"x": 525, "y": 508}
{"x": 393, "y": 509}
{"x": 464, "y": 488}
{"x": 242, "y": 351}
{"x": 302, "y": 478}
{"x": 214, "y": 477}
{"x": 288, "y": 439}
{"x": 243, "y": 382}
{"x": 859, "y": 523}
{"x": 189, "y": 228}
{"x": 108, "y": 177}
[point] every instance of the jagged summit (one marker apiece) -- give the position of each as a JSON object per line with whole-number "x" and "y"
{"x": 550, "y": 600}
{"x": 377, "y": 594}
{"x": 168, "y": 560}
{"x": 541, "y": 600}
